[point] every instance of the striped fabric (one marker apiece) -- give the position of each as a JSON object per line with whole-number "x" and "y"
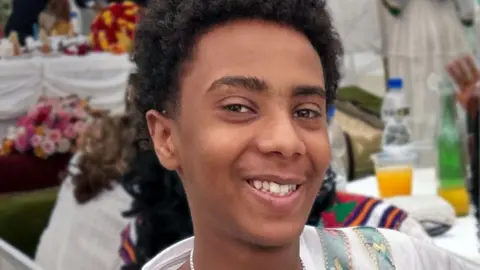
{"x": 127, "y": 247}
{"x": 354, "y": 210}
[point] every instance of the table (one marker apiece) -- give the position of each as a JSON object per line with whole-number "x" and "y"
{"x": 461, "y": 239}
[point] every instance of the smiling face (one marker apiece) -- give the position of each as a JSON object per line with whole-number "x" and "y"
{"x": 250, "y": 136}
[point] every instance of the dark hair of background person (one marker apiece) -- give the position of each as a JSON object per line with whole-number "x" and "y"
{"x": 105, "y": 154}
{"x": 24, "y": 15}
{"x": 164, "y": 41}
{"x": 159, "y": 202}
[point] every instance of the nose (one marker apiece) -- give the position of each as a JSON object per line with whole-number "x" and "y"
{"x": 281, "y": 138}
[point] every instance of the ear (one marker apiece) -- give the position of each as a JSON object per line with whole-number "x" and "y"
{"x": 161, "y": 130}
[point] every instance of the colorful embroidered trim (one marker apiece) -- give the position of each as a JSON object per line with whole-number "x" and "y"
{"x": 377, "y": 246}
{"x": 336, "y": 249}
{"x": 127, "y": 250}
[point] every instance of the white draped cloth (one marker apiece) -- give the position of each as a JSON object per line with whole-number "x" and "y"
{"x": 102, "y": 77}
{"x": 20, "y": 86}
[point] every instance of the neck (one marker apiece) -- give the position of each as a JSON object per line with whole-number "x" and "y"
{"x": 213, "y": 252}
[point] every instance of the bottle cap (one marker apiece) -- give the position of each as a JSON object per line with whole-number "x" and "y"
{"x": 395, "y": 83}
{"x": 330, "y": 112}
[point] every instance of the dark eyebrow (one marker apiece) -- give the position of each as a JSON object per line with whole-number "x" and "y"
{"x": 258, "y": 85}
{"x": 309, "y": 90}
{"x": 250, "y": 83}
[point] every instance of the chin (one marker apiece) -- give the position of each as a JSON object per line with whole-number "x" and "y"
{"x": 275, "y": 234}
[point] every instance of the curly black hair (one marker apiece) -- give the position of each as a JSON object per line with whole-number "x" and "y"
{"x": 168, "y": 30}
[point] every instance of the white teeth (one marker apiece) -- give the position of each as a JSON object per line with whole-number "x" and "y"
{"x": 266, "y": 185}
{"x": 274, "y": 188}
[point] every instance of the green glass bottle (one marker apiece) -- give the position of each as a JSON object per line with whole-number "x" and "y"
{"x": 451, "y": 167}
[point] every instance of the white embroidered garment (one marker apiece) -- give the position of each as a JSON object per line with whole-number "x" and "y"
{"x": 83, "y": 237}
{"x": 393, "y": 250}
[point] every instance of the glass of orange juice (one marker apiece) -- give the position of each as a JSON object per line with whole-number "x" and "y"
{"x": 394, "y": 173}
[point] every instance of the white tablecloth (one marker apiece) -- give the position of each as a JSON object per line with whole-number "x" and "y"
{"x": 20, "y": 86}
{"x": 461, "y": 239}
{"x": 101, "y": 76}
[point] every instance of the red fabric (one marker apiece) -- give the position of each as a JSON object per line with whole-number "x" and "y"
{"x": 115, "y": 19}
{"x": 25, "y": 172}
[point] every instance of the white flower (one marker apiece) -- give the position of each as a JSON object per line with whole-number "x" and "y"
{"x": 63, "y": 145}
{"x": 11, "y": 133}
{"x": 48, "y": 147}
{"x": 20, "y": 131}
{"x": 36, "y": 140}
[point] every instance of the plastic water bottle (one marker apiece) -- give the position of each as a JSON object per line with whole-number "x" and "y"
{"x": 395, "y": 114}
{"x": 75, "y": 20}
{"x": 338, "y": 150}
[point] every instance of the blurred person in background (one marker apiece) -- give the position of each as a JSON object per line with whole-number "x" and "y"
{"x": 24, "y": 16}
{"x": 88, "y": 9}
{"x": 87, "y": 217}
{"x": 55, "y": 19}
{"x": 5, "y": 10}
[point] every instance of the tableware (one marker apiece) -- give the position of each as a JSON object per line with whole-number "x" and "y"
{"x": 394, "y": 172}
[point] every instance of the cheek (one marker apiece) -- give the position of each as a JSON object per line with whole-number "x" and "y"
{"x": 209, "y": 156}
{"x": 318, "y": 147}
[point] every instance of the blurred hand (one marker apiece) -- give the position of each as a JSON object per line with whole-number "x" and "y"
{"x": 466, "y": 76}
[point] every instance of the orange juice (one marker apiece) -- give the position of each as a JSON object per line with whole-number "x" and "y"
{"x": 394, "y": 180}
{"x": 458, "y": 198}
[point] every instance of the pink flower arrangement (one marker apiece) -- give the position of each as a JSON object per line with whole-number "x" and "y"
{"x": 51, "y": 126}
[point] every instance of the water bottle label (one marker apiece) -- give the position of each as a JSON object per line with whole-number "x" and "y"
{"x": 396, "y": 133}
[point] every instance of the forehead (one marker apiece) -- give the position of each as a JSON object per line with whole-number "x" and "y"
{"x": 277, "y": 54}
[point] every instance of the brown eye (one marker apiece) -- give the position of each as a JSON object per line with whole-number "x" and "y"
{"x": 307, "y": 113}
{"x": 239, "y": 108}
